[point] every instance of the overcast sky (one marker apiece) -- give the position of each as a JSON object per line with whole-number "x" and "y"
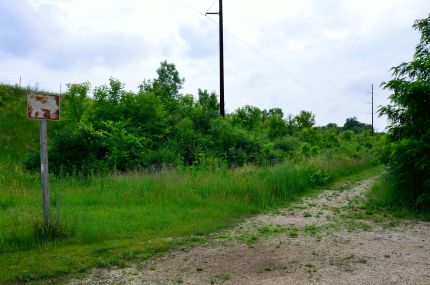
{"x": 316, "y": 55}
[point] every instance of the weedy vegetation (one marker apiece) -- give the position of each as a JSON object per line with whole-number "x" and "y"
{"x": 137, "y": 173}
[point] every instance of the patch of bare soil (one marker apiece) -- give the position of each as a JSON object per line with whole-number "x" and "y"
{"x": 326, "y": 239}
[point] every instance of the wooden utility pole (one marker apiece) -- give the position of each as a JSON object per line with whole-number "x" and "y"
{"x": 221, "y": 58}
{"x": 44, "y": 170}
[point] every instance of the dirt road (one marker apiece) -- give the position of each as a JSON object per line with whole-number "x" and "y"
{"x": 325, "y": 239}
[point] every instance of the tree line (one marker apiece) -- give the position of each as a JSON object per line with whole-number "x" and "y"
{"x": 157, "y": 126}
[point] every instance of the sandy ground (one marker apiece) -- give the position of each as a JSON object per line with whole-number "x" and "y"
{"x": 324, "y": 239}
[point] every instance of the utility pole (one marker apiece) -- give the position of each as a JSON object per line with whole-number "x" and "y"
{"x": 221, "y": 58}
{"x": 373, "y": 130}
{"x": 20, "y": 81}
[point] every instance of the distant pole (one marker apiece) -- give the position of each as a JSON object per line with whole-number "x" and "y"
{"x": 44, "y": 170}
{"x": 20, "y": 81}
{"x": 373, "y": 130}
{"x": 221, "y": 58}
{"x": 60, "y": 88}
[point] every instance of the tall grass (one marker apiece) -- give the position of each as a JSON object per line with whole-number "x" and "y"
{"x": 99, "y": 218}
{"x": 386, "y": 197}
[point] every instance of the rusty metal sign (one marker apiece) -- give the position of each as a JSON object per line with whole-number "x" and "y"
{"x": 43, "y": 107}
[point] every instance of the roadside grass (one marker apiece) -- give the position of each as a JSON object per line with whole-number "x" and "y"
{"x": 105, "y": 221}
{"x": 383, "y": 198}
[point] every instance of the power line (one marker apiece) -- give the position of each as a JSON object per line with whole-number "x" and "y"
{"x": 271, "y": 61}
{"x": 191, "y": 8}
{"x": 254, "y": 50}
{"x": 317, "y": 56}
{"x": 297, "y": 79}
{"x": 210, "y": 7}
{"x": 309, "y": 68}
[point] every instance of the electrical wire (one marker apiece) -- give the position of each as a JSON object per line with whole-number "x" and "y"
{"x": 328, "y": 66}
{"x": 297, "y": 79}
{"x": 309, "y": 68}
{"x": 190, "y": 7}
{"x": 210, "y": 7}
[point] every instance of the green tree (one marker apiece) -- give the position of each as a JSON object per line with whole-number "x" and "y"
{"x": 409, "y": 116}
{"x": 276, "y": 112}
{"x": 249, "y": 117}
{"x": 276, "y": 126}
{"x": 106, "y": 106}
{"x": 353, "y": 124}
{"x": 167, "y": 84}
{"x": 208, "y": 101}
{"x": 74, "y": 103}
{"x": 304, "y": 120}
{"x": 205, "y": 110}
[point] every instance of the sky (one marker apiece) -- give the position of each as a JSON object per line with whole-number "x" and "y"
{"x": 316, "y": 55}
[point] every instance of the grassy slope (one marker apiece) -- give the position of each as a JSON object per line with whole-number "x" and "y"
{"x": 17, "y": 136}
{"x": 106, "y": 220}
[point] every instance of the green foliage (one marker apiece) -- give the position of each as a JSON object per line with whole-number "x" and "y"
{"x": 234, "y": 144}
{"x": 123, "y": 149}
{"x": 287, "y": 144}
{"x": 317, "y": 176}
{"x": 119, "y": 130}
{"x": 276, "y": 127}
{"x": 107, "y": 104}
{"x": 248, "y": 117}
{"x": 409, "y": 155}
{"x": 167, "y": 84}
{"x": 74, "y": 103}
{"x": 304, "y": 120}
{"x": 385, "y": 196}
{"x": 353, "y": 124}
{"x": 72, "y": 151}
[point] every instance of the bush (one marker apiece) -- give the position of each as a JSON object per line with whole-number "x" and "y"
{"x": 287, "y": 144}
{"x": 71, "y": 152}
{"x": 234, "y": 144}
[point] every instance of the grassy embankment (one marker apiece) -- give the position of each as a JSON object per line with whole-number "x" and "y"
{"x": 102, "y": 221}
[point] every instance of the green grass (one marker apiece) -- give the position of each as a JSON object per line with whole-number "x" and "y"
{"x": 103, "y": 221}
{"x": 383, "y": 197}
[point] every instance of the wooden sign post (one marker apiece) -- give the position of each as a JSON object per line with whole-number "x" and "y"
{"x": 44, "y": 107}
{"x": 44, "y": 170}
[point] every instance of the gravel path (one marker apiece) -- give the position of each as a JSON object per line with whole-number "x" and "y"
{"x": 326, "y": 239}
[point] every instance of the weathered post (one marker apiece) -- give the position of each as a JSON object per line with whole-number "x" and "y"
{"x": 44, "y": 170}
{"x": 44, "y": 107}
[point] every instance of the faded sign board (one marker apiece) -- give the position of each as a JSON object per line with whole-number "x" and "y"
{"x": 43, "y": 107}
